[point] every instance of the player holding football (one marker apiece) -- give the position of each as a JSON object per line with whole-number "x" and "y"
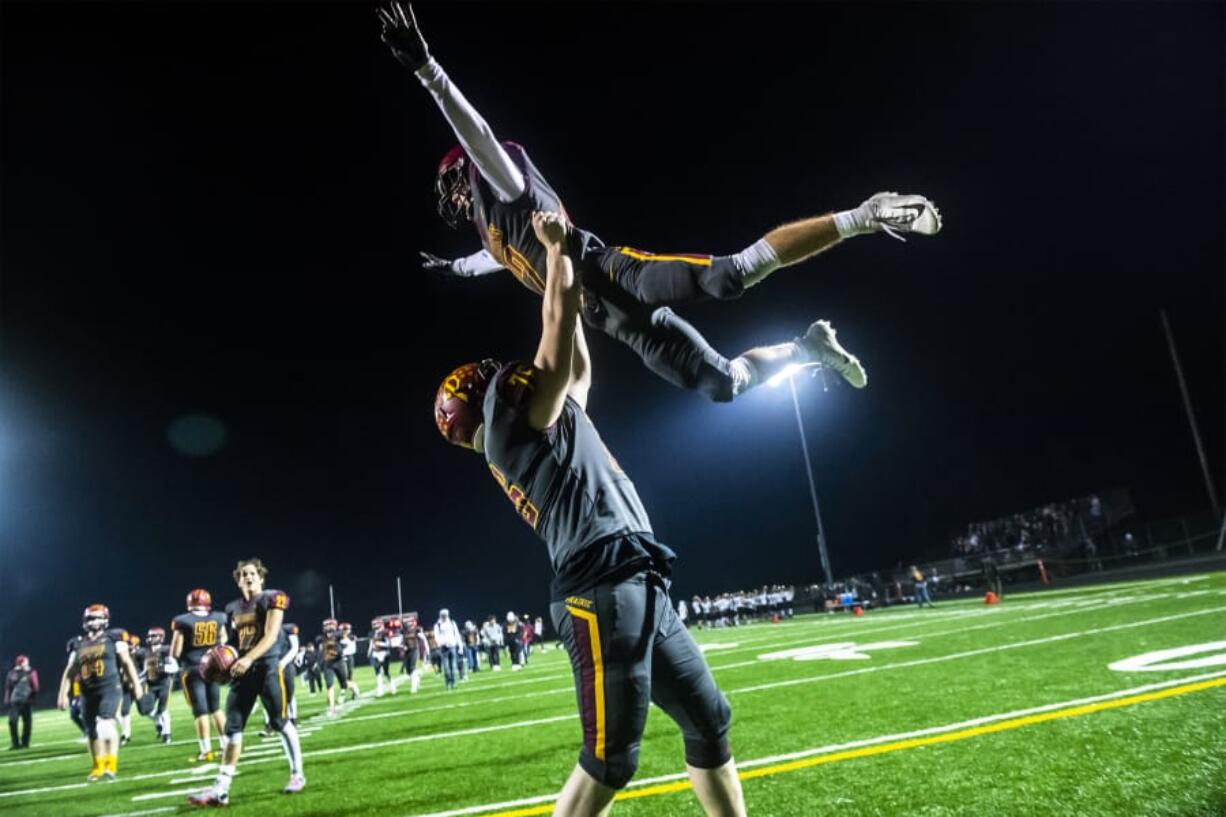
{"x": 610, "y": 590}
{"x": 627, "y": 293}
{"x": 97, "y": 659}
{"x": 195, "y": 633}
{"x": 255, "y": 621}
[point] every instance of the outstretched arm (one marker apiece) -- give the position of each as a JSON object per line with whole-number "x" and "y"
{"x": 403, "y": 37}
{"x": 468, "y": 266}
{"x": 559, "y": 317}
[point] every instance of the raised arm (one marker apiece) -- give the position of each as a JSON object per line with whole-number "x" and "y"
{"x": 559, "y": 318}
{"x": 468, "y": 266}
{"x": 403, "y": 36}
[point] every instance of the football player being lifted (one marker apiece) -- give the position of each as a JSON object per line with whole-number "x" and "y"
{"x": 610, "y": 604}
{"x": 97, "y": 658}
{"x": 627, "y": 293}
{"x": 195, "y": 633}
{"x": 255, "y": 621}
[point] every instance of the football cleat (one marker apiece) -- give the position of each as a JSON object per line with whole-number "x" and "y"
{"x": 94, "y": 776}
{"x": 822, "y": 346}
{"x": 203, "y": 757}
{"x": 125, "y": 740}
{"x": 109, "y": 777}
{"x": 895, "y": 214}
{"x": 296, "y": 784}
{"x": 209, "y": 797}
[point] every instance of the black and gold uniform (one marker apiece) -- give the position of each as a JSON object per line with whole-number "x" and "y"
{"x": 611, "y": 606}
{"x": 627, "y": 292}
{"x": 96, "y": 664}
{"x": 157, "y": 681}
{"x": 332, "y": 659}
{"x": 199, "y": 634}
{"x": 265, "y": 679}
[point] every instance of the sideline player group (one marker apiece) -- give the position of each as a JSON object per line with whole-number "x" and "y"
{"x": 528, "y": 419}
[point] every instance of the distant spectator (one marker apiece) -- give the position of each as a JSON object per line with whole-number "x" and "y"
{"x": 922, "y": 596}
{"x": 472, "y": 641}
{"x": 513, "y": 634}
{"x": 538, "y": 632}
{"x": 20, "y": 690}
{"x": 447, "y": 637}
{"x": 491, "y": 640}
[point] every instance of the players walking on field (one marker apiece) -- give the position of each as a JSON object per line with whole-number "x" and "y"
{"x": 255, "y": 620}
{"x": 194, "y": 634}
{"x": 626, "y": 292}
{"x": 160, "y": 668}
{"x": 331, "y": 648}
{"x": 610, "y": 590}
{"x": 97, "y": 658}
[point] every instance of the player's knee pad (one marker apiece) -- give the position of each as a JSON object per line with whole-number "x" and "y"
{"x": 104, "y": 729}
{"x": 615, "y": 771}
{"x": 706, "y": 740}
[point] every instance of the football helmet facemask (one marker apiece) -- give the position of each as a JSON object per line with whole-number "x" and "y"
{"x": 96, "y": 618}
{"x": 455, "y": 202}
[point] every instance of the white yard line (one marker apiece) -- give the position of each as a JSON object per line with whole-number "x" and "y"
{"x": 147, "y": 811}
{"x": 1034, "y": 642}
{"x": 158, "y": 795}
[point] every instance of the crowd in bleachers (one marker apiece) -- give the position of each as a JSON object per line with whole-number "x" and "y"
{"x": 1038, "y": 529}
{"x": 768, "y": 603}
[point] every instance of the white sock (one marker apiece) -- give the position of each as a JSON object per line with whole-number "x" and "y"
{"x": 292, "y": 709}
{"x": 225, "y": 776}
{"x": 853, "y": 222}
{"x": 203, "y": 743}
{"x": 742, "y": 372}
{"x": 293, "y": 749}
{"x": 222, "y": 742}
{"x": 416, "y": 681}
{"x": 756, "y": 261}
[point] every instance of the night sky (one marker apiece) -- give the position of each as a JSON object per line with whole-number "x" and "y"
{"x": 216, "y": 209}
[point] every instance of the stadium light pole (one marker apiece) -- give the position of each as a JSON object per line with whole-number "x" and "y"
{"x": 788, "y": 373}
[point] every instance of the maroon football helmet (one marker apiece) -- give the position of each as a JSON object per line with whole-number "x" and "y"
{"x": 458, "y": 405}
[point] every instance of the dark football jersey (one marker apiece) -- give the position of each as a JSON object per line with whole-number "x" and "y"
{"x": 506, "y": 228}
{"x": 96, "y": 661}
{"x": 199, "y": 634}
{"x": 155, "y": 662}
{"x": 329, "y": 647}
{"x": 248, "y": 617}
{"x": 567, "y": 486}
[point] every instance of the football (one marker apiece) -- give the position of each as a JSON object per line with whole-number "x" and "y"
{"x": 215, "y": 667}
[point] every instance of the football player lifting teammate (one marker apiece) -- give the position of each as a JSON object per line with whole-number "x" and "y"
{"x": 255, "y": 622}
{"x": 195, "y": 633}
{"x": 627, "y": 293}
{"x": 610, "y": 590}
{"x": 96, "y": 658}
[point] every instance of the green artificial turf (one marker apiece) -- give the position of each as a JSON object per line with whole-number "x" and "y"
{"x": 870, "y": 723}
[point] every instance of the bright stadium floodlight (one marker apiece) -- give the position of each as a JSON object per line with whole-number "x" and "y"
{"x": 783, "y": 374}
